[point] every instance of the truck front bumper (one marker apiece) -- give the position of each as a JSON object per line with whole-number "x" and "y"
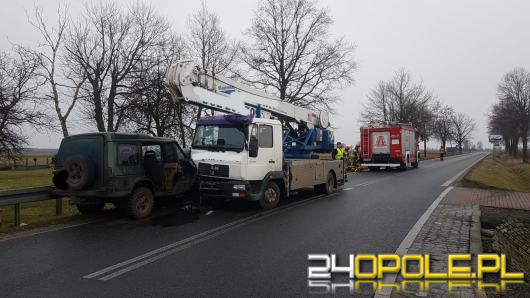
{"x": 230, "y": 189}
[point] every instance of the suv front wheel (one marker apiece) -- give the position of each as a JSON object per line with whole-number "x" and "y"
{"x": 141, "y": 202}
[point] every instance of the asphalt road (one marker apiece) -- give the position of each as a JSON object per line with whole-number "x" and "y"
{"x": 237, "y": 250}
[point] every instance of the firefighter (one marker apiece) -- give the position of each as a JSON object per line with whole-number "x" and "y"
{"x": 338, "y": 153}
{"x": 355, "y": 154}
{"x": 442, "y": 152}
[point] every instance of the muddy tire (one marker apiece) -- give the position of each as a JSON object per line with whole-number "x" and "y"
{"x": 141, "y": 203}
{"x": 270, "y": 197}
{"x": 80, "y": 172}
{"x": 88, "y": 209}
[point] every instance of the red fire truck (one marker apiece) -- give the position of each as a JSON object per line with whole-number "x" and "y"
{"x": 389, "y": 145}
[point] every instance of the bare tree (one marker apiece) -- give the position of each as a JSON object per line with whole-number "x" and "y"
{"x": 501, "y": 121}
{"x": 463, "y": 127}
{"x": 63, "y": 82}
{"x": 19, "y": 85}
{"x": 443, "y": 126}
{"x": 291, "y": 54}
{"x": 107, "y": 44}
{"x": 209, "y": 43}
{"x": 401, "y": 100}
{"x": 514, "y": 91}
{"x": 150, "y": 107}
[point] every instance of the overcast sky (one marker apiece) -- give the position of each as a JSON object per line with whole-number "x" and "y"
{"x": 459, "y": 49}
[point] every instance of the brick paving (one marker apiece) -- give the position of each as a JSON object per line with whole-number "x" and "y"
{"x": 447, "y": 231}
{"x": 487, "y": 197}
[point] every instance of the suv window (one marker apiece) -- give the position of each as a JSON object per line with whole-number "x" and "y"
{"x": 87, "y": 146}
{"x": 152, "y": 148}
{"x": 265, "y": 136}
{"x": 128, "y": 155}
{"x": 172, "y": 152}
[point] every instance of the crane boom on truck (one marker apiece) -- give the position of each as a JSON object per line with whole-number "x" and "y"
{"x": 194, "y": 85}
{"x": 262, "y": 148}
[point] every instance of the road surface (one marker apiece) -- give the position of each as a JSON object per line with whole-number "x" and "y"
{"x": 238, "y": 250}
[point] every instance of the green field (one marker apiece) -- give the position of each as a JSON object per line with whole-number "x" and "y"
{"x": 500, "y": 172}
{"x": 23, "y": 179}
{"x": 36, "y": 213}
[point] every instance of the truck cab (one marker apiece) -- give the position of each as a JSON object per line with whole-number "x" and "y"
{"x": 242, "y": 157}
{"x": 237, "y": 155}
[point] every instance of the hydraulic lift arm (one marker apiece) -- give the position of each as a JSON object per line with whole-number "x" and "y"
{"x": 188, "y": 82}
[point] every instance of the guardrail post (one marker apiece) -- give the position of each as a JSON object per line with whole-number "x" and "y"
{"x": 58, "y": 206}
{"x": 17, "y": 215}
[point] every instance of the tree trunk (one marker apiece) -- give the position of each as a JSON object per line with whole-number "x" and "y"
{"x": 425, "y": 148}
{"x": 524, "y": 139}
{"x": 64, "y": 128}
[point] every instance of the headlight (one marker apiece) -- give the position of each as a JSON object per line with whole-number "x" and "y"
{"x": 239, "y": 187}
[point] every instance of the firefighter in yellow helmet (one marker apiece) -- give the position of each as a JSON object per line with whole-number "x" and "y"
{"x": 338, "y": 153}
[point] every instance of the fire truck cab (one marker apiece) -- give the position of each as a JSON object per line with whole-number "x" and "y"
{"x": 389, "y": 145}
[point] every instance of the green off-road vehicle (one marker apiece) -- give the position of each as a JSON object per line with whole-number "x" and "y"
{"x": 128, "y": 170}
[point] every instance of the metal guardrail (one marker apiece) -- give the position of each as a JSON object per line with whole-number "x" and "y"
{"x": 16, "y": 197}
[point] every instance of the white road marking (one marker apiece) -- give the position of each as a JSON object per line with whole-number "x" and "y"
{"x": 450, "y": 181}
{"x": 414, "y": 231}
{"x": 347, "y": 188}
{"x": 154, "y": 255}
{"x": 44, "y": 230}
{"x": 407, "y": 242}
{"x": 209, "y": 212}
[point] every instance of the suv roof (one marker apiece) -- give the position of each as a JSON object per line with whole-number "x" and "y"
{"x": 118, "y": 136}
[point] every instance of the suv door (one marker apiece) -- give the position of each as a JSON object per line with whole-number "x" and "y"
{"x": 128, "y": 166}
{"x": 153, "y": 165}
{"x": 180, "y": 171}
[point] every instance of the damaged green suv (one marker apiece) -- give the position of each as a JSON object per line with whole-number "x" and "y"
{"x": 128, "y": 170}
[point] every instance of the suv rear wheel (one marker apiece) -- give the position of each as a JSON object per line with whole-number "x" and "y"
{"x": 141, "y": 202}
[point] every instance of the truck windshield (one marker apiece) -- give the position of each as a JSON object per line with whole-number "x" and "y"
{"x": 219, "y": 138}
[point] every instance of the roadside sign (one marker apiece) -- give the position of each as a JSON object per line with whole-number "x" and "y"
{"x": 495, "y": 138}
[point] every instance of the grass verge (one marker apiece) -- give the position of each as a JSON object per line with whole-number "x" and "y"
{"x": 499, "y": 172}
{"x": 34, "y": 214}
{"x": 23, "y": 179}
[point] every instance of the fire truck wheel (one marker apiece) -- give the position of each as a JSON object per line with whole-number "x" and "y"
{"x": 270, "y": 197}
{"x": 374, "y": 169}
{"x": 415, "y": 164}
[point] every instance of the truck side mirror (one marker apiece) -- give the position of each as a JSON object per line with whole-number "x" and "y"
{"x": 253, "y": 147}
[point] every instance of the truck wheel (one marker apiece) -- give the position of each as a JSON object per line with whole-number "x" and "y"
{"x": 270, "y": 197}
{"x": 330, "y": 184}
{"x": 415, "y": 164}
{"x": 141, "y": 202}
{"x": 374, "y": 169}
{"x": 90, "y": 208}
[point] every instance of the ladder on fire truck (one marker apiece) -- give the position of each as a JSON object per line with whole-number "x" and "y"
{"x": 192, "y": 84}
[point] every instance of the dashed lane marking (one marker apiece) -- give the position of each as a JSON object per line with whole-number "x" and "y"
{"x": 159, "y": 253}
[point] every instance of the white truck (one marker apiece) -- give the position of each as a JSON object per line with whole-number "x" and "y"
{"x": 261, "y": 148}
